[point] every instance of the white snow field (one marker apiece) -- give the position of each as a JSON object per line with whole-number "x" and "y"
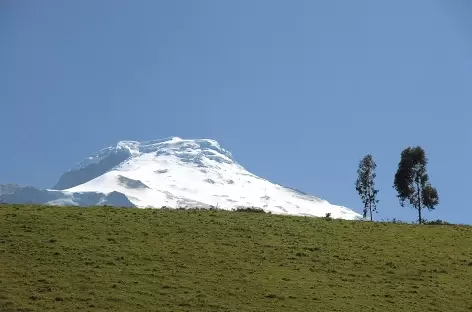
{"x": 177, "y": 173}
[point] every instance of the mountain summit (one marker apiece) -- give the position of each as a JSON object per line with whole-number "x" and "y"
{"x": 174, "y": 172}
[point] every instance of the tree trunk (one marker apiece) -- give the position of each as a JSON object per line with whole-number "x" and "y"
{"x": 420, "y": 220}
{"x": 370, "y": 207}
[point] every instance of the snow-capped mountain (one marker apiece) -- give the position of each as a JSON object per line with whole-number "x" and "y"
{"x": 172, "y": 172}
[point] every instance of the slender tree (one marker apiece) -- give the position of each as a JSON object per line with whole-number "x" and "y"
{"x": 412, "y": 181}
{"x": 365, "y": 184}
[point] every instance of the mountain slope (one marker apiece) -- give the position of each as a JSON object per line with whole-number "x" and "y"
{"x": 17, "y": 194}
{"x": 178, "y": 173}
{"x": 104, "y": 259}
{"x": 186, "y": 173}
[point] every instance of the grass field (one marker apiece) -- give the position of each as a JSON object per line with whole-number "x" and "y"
{"x": 117, "y": 259}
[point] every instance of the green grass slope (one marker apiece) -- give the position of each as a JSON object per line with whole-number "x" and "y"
{"x": 111, "y": 259}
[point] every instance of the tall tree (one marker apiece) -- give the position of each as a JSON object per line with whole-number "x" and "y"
{"x": 365, "y": 184}
{"x": 412, "y": 181}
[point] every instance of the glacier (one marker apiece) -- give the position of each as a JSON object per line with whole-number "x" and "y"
{"x": 172, "y": 172}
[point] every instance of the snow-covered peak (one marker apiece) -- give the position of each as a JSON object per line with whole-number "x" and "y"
{"x": 197, "y": 152}
{"x": 176, "y": 172}
{"x": 168, "y": 146}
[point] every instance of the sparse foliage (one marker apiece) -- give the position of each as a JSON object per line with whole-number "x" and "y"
{"x": 436, "y": 222}
{"x": 250, "y": 209}
{"x": 365, "y": 184}
{"x": 412, "y": 181}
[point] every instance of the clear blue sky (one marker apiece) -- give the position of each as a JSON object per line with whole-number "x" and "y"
{"x": 299, "y": 91}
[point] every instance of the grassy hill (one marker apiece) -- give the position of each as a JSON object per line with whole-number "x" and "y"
{"x": 111, "y": 259}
